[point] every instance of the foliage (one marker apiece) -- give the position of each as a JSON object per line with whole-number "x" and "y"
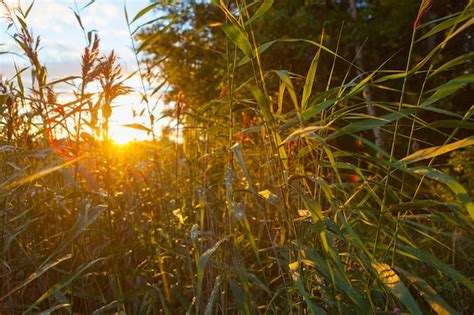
{"x": 276, "y": 198}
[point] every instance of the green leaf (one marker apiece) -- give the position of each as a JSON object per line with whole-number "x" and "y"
{"x": 393, "y": 282}
{"x": 12, "y": 235}
{"x": 428, "y": 57}
{"x": 417, "y": 204}
{"x": 438, "y": 150}
{"x": 308, "y": 85}
{"x": 389, "y": 77}
{"x": 261, "y": 49}
{"x": 438, "y": 264}
{"x": 286, "y": 81}
{"x": 145, "y": 11}
{"x": 63, "y": 283}
{"x": 213, "y": 297}
{"x": 256, "y": 281}
{"x": 446, "y": 24}
{"x": 70, "y": 78}
{"x": 88, "y": 4}
{"x": 437, "y": 303}
{"x": 454, "y": 185}
{"x": 40, "y": 271}
{"x": 79, "y": 20}
{"x": 303, "y": 132}
{"x": 266, "y": 5}
{"x": 237, "y": 150}
{"x": 441, "y": 45}
{"x": 239, "y": 296}
{"x": 263, "y": 105}
{"x": 372, "y": 123}
{"x": 203, "y": 260}
{"x": 332, "y": 274}
{"x": 317, "y": 108}
{"x": 239, "y": 38}
{"x": 451, "y": 123}
{"x": 440, "y": 111}
{"x": 5, "y": 186}
{"x": 28, "y": 10}
{"x": 454, "y": 62}
{"x": 296, "y": 276}
{"x": 448, "y": 88}
{"x": 324, "y": 48}
{"x": 125, "y": 12}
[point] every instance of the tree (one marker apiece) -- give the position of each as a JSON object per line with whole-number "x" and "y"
{"x": 191, "y": 52}
{"x": 188, "y": 53}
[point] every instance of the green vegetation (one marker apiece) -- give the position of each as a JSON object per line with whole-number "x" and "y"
{"x": 321, "y": 168}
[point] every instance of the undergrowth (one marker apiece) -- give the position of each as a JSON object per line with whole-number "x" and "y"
{"x": 277, "y": 199}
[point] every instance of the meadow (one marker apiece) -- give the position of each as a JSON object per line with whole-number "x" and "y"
{"x": 284, "y": 194}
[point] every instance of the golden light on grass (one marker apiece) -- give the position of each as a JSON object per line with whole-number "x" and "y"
{"x": 197, "y": 183}
{"x": 122, "y": 135}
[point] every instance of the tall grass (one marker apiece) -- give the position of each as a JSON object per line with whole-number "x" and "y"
{"x": 273, "y": 202}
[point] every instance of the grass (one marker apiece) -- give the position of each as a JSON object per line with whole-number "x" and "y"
{"x": 290, "y": 208}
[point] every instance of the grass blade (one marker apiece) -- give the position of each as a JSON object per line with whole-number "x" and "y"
{"x": 393, "y": 282}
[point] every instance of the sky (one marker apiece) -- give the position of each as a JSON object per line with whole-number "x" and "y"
{"x": 63, "y": 41}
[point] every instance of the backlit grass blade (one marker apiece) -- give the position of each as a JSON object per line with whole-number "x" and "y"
{"x": 310, "y": 77}
{"x": 147, "y": 9}
{"x": 201, "y": 267}
{"x": 213, "y": 297}
{"x": 438, "y": 150}
{"x": 239, "y": 38}
{"x": 83, "y": 222}
{"x": 437, "y": 303}
{"x": 260, "y": 50}
{"x": 315, "y": 109}
{"x": 448, "y": 88}
{"x": 447, "y": 270}
{"x": 262, "y": 9}
{"x": 454, "y": 62}
{"x": 447, "y": 24}
{"x": 296, "y": 276}
{"x": 54, "y": 309}
{"x": 371, "y": 123}
{"x": 334, "y": 275}
{"x": 62, "y": 284}
{"x": 237, "y": 150}
{"x": 453, "y": 184}
{"x": 38, "y": 175}
{"x": 38, "y": 273}
{"x": 394, "y": 284}
{"x": 287, "y": 82}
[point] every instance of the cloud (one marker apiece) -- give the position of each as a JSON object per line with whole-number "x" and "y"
{"x": 45, "y": 13}
{"x": 102, "y": 15}
{"x": 62, "y": 40}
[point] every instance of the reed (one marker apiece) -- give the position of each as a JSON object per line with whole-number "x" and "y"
{"x": 276, "y": 199}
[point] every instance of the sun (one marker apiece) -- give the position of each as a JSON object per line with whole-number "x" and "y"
{"x": 122, "y": 115}
{"x": 122, "y": 135}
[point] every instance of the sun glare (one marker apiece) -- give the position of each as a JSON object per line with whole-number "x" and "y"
{"x": 121, "y": 116}
{"x": 123, "y": 135}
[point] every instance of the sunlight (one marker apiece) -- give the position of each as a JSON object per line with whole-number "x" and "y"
{"x": 307, "y": 157}
{"x": 122, "y": 135}
{"x": 122, "y": 114}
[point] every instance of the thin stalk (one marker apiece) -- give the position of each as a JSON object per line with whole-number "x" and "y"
{"x": 392, "y": 148}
